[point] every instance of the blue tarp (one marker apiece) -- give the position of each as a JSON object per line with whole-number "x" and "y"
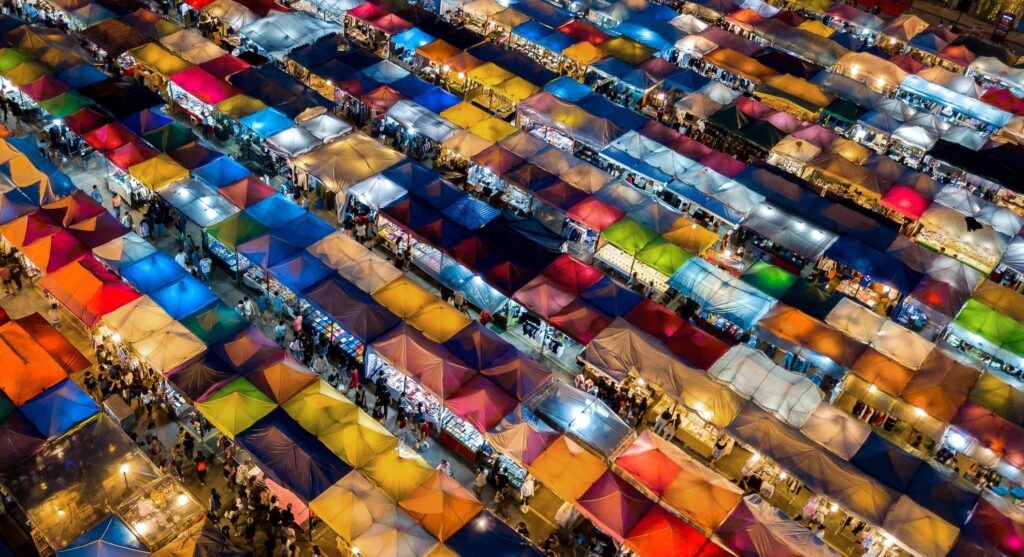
{"x": 81, "y": 75}
{"x": 437, "y": 194}
{"x": 942, "y": 494}
{"x": 292, "y": 456}
{"x": 60, "y": 185}
{"x": 648, "y": 31}
{"x": 410, "y": 86}
{"x": 269, "y": 249}
{"x": 436, "y": 100}
{"x": 720, "y": 293}
{"x": 881, "y": 267}
{"x": 267, "y": 122}
{"x": 410, "y": 175}
{"x": 476, "y": 291}
{"x": 221, "y": 172}
{"x": 687, "y": 81}
{"x": 532, "y": 30}
{"x": 334, "y": 70}
{"x": 412, "y": 39}
{"x": 384, "y": 72}
{"x": 613, "y": 67}
{"x": 359, "y": 58}
{"x": 543, "y": 12}
{"x": 610, "y": 298}
{"x": 304, "y": 230}
{"x": 109, "y": 538}
{"x": 617, "y": 114}
{"x": 556, "y": 42}
{"x": 471, "y": 213}
{"x": 152, "y": 272}
{"x": 706, "y": 202}
{"x": 184, "y": 298}
{"x": 886, "y": 462}
{"x": 146, "y": 121}
{"x": 479, "y": 347}
{"x": 499, "y": 538}
{"x": 970, "y": 106}
{"x": 568, "y": 89}
{"x": 300, "y": 272}
{"x": 59, "y": 408}
{"x": 320, "y": 52}
{"x": 275, "y": 211}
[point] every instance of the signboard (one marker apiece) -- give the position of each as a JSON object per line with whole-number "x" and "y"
{"x": 1003, "y": 26}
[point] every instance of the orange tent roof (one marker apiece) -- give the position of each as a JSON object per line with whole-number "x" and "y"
{"x": 441, "y": 505}
{"x": 26, "y": 367}
{"x": 740, "y": 64}
{"x": 567, "y": 468}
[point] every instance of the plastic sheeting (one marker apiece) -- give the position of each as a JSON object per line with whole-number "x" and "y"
{"x": 347, "y": 161}
{"x": 790, "y": 396}
{"x": 802, "y": 238}
{"x": 280, "y": 33}
{"x": 583, "y": 416}
{"x": 720, "y": 293}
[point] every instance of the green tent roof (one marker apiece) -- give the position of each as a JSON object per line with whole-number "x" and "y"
{"x": 1001, "y": 330}
{"x": 170, "y": 137}
{"x": 65, "y": 104}
{"x": 629, "y": 235}
{"x": 845, "y": 110}
{"x": 769, "y": 279}
{"x": 236, "y": 229}
{"x": 236, "y": 407}
{"x": 810, "y": 299}
{"x": 663, "y": 256}
{"x": 215, "y": 324}
{"x": 762, "y": 134}
{"x": 11, "y": 58}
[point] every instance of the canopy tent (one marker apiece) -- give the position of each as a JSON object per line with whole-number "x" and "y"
{"x": 169, "y": 349}
{"x": 757, "y": 528}
{"x": 752, "y": 374}
{"x": 855, "y": 320}
{"x": 567, "y": 469}
{"x": 355, "y": 311}
{"x": 20, "y": 353}
{"x": 137, "y": 319}
{"x": 158, "y": 172}
{"x": 522, "y": 436}
{"x": 995, "y": 525}
{"x": 192, "y": 46}
{"x": 123, "y": 251}
{"x": 348, "y": 161}
{"x": 352, "y": 505}
{"x": 216, "y": 324}
{"x": 280, "y": 33}
{"x": 111, "y": 537}
{"x": 582, "y": 415}
{"x": 198, "y": 203}
{"x": 282, "y": 380}
{"x": 678, "y": 481}
{"x": 720, "y": 293}
{"x": 204, "y": 538}
{"x": 236, "y": 407}
{"x": 87, "y": 289}
{"x": 940, "y": 386}
{"x": 358, "y": 439}
{"x": 398, "y": 472}
{"x": 231, "y": 13}
{"x": 431, "y": 365}
{"x": 441, "y": 505}
{"x": 803, "y": 238}
{"x": 266, "y": 122}
{"x": 804, "y": 333}
{"x": 835, "y": 430}
{"x": 614, "y": 505}
{"x": 292, "y": 456}
{"x": 59, "y": 409}
{"x": 924, "y": 532}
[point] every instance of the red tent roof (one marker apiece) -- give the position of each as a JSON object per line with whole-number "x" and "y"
{"x": 519, "y": 377}
{"x": 367, "y": 12}
{"x": 655, "y": 319}
{"x": 614, "y": 505}
{"x": 98, "y": 230}
{"x": 723, "y": 164}
{"x": 697, "y": 347}
{"x": 391, "y": 24}
{"x": 223, "y": 66}
{"x": 1004, "y": 99}
{"x": 86, "y": 120}
{"x": 993, "y": 431}
{"x": 56, "y": 251}
{"x": 44, "y": 88}
{"x": 481, "y": 403}
{"x": 661, "y": 534}
{"x": 595, "y": 214}
{"x": 382, "y": 98}
{"x": 88, "y": 290}
{"x": 581, "y": 321}
{"x": 905, "y": 201}
{"x": 130, "y": 154}
{"x": 581, "y": 30}
{"x": 497, "y": 159}
{"x": 247, "y": 191}
{"x": 571, "y": 274}
{"x": 109, "y": 136}
{"x": 27, "y": 229}
{"x": 429, "y": 363}
{"x": 74, "y": 208}
{"x": 543, "y": 297}
{"x": 204, "y": 86}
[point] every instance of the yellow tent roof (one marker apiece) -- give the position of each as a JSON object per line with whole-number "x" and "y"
{"x": 398, "y": 472}
{"x": 170, "y": 349}
{"x": 441, "y": 505}
{"x": 158, "y": 172}
{"x": 137, "y": 319}
{"x": 438, "y": 51}
{"x": 464, "y": 114}
{"x": 403, "y": 297}
{"x": 438, "y": 321}
{"x": 25, "y": 73}
{"x": 627, "y": 50}
{"x": 352, "y": 505}
{"x": 359, "y": 441}
{"x": 509, "y": 17}
{"x": 801, "y": 89}
{"x": 567, "y": 468}
{"x": 396, "y": 535}
{"x": 516, "y": 88}
{"x": 240, "y": 106}
{"x": 493, "y": 129}
{"x": 692, "y": 237}
{"x": 159, "y": 59}
{"x": 817, "y": 27}
{"x": 482, "y": 8}
{"x": 740, "y": 64}
{"x": 490, "y": 74}
{"x": 235, "y": 407}
{"x": 466, "y": 144}
{"x": 319, "y": 408}
{"x": 584, "y": 53}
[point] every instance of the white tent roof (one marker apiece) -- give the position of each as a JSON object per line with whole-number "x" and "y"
{"x": 1013, "y": 257}
{"x": 293, "y": 142}
{"x": 421, "y": 120}
{"x": 790, "y": 396}
{"x": 325, "y": 127}
{"x": 280, "y": 33}
{"x": 804, "y": 239}
{"x": 231, "y": 13}
{"x": 636, "y": 145}
{"x": 902, "y": 345}
{"x": 696, "y": 44}
{"x": 995, "y": 68}
{"x": 796, "y": 148}
{"x": 718, "y": 92}
{"x": 192, "y": 46}
{"x": 955, "y": 273}
{"x": 688, "y": 24}
{"x": 836, "y": 430}
{"x": 855, "y": 320}
{"x": 916, "y": 136}
{"x": 1002, "y": 219}
{"x": 199, "y": 202}
{"x": 377, "y": 191}
{"x": 919, "y": 529}
{"x": 965, "y": 136}
{"x": 698, "y": 105}
{"x": 952, "y": 81}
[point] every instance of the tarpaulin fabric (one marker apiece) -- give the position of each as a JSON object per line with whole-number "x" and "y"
{"x": 321, "y": 409}
{"x": 352, "y": 505}
{"x": 300, "y": 272}
{"x": 137, "y": 319}
{"x": 236, "y": 407}
{"x": 522, "y": 436}
{"x": 87, "y": 289}
{"x": 282, "y": 380}
{"x": 567, "y": 469}
{"x": 614, "y": 505}
{"x": 481, "y": 403}
{"x": 756, "y": 528}
{"x": 398, "y": 472}
{"x": 999, "y": 396}
{"x": 19, "y": 439}
{"x": 836, "y": 430}
{"x": 348, "y": 161}
{"x": 215, "y": 324}
{"x": 790, "y": 396}
{"x": 887, "y": 462}
{"x": 280, "y": 33}
{"x": 798, "y": 329}
{"x": 59, "y": 409}
{"x": 995, "y": 525}
{"x": 28, "y": 368}
{"x": 430, "y": 364}
{"x": 441, "y": 505}
{"x": 354, "y": 310}
{"x": 923, "y": 531}
{"x": 111, "y": 537}
{"x": 487, "y": 530}
{"x": 720, "y": 293}
{"x": 942, "y": 493}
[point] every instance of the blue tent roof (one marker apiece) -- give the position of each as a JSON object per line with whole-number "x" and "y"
{"x": 146, "y": 121}
{"x": 384, "y": 72}
{"x": 686, "y": 80}
{"x": 879, "y": 266}
{"x": 59, "y": 408}
{"x": 612, "y": 66}
{"x": 81, "y": 75}
{"x": 543, "y": 12}
{"x": 410, "y": 175}
{"x": 304, "y": 230}
{"x": 221, "y": 172}
{"x": 335, "y": 70}
{"x": 275, "y": 211}
{"x": 619, "y": 115}
{"x": 942, "y": 494}
{"x": 267, "y": 122}
{"x": 359, "y": 58}
{"x": 437, "y": 194}
{"x": 610, "y": 298}
{"x": 886, "y": 462}
{"x": 412, "y": 39}
{"x": 356, "y": 311}
{"x": 568, "y": 89}
{"x": 300, "y": 272}
{"x": 476, "y": 291}
{"x": 269, "y": 249}
{"x": 706, "y": 202}
{"x": 648, "y": 31}
{"x": 477, "y": 346}
{"x": 556, "y": 42}
{"x": 656, "y": 12}
{"x": 320, "y": 52}
{"x": 499, "y": 538}
{"x": 471, "y": 213}
{"x": 152, "y": 272}
{"x": 184, "y": 298}
{"x": 532, "y": 30}
{"x": 928, "y": 42}
{"x": 292, "y": 456}
{"x": 109, "y": 538}
{"x": 60, "y": 185}
{"x": 410, "y": 86}
{"x": 436, "y": 100}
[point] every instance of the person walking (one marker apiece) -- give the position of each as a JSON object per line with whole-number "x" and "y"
{"x": 205, "y": 267}
{"x": 115, "y": 203}
{"x": 96, "y": 195}
{"x": 479, "y": 482}
{"x": 214, "y": 501}
{"x": 200, "y": 462}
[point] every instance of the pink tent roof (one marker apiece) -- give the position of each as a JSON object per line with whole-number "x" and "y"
{"x": 223, "y": 66}
{"x": 391, "y": 24}
{"x": 595, "y": 214}
{"x": 723, "y": 164}
{"x": 519, "y": 376}
{"x": 523, "y": 435}
{"x": 614, "y": 505}
{"x": 581, "y": 321}
{"x": 1000, "y": 435}
{"x": 367, "y": 12}
{"x": 543, "y": 297}
{"x": 203, "y": 85}
{"x": 786, "y": 122}
{"x": 481, "y": 403}
{"x": 752, "y": 107}
{"x": 571, "y": 274}
{"x": 815, "y": 135}
{"x": 429, "y": 363}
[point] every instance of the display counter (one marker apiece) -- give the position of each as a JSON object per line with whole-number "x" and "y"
{"x": 162, "y": 512}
